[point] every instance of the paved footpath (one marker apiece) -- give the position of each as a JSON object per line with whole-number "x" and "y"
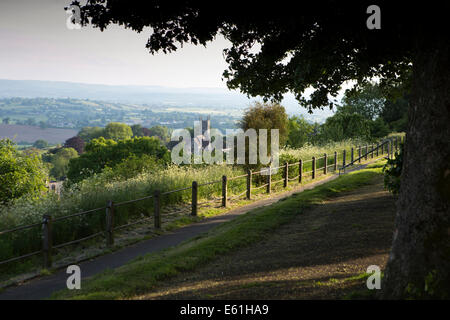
{"x": 43, "y": 287}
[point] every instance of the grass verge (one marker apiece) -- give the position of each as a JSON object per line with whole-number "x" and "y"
{"x": 144, "y": 273}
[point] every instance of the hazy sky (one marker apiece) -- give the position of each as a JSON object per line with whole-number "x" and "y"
{"x": 35, "y": 44}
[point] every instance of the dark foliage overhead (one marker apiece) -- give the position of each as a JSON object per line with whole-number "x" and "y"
{"x": 321, "y": 43}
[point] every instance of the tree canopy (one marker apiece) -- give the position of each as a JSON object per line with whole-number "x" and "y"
{"x": 117, "y": 131}
{"x": 60, "y": 162}
{"x": 300, "y": 131}
{"x": 320, "y": 44}
{"x": 102, "y": 152}
{"x": 40, "y": 144}
{"x": 20, "y": 175}
{"x": 76, "y": 143}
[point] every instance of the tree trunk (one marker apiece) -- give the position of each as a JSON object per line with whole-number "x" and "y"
{"x": 419, "y": 263}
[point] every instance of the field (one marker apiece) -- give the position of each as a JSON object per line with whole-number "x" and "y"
{"x": 78, "y": 113}
{"x": 23, "y": 133}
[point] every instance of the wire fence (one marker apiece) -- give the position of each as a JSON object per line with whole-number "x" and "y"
{"x": 289, "y": 173}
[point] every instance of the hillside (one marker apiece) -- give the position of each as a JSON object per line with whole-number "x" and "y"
{"x": 200, "y": 100}
{"x": 78, "y": 113}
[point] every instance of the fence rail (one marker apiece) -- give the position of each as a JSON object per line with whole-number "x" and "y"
{"x": 387, "y": 145}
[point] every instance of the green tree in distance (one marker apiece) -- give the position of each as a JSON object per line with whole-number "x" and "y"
{"x": 118, "y": 131}
{"x": 60, "y": 162}
{"x": 137, "y": 130}
{"x": 300, "y": 131}
{"x": 40, "y": 144}
{"x": 89, "y": 133}
{"x": 264, "y": 116}
{"x": 161, "y": 132}
{"x": 20, "y": 175}
{"x": 368, "y": 101}
{"x": 345, "y": 125}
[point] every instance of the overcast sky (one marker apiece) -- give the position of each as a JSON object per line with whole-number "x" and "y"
{"x": 35, "y": 44}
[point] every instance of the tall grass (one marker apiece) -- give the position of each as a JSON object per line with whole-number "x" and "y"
{"x": 93, "y": 193}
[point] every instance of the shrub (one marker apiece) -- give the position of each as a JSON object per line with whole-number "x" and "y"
{"x": 20, "y": 175}
{"x": 60, "y": 162}
{"x": 101, "y": 153}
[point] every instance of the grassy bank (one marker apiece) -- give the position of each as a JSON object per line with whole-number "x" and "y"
{"x": 143, "y": 274}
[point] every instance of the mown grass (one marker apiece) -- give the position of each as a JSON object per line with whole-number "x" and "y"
{"x": 141, "y": 275}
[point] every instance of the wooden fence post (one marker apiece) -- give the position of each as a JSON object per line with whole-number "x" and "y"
{"x": 286, "y": 174}
{"x": 47, "y": 240}
{"x": 249, "y": 184}
{"x": 313, "y": 176}
{"x": 392, "y": 148}
{"x": 224, "y": 191}
{"x": 335, "y": 161}
{"x": 388, "y": 151}
{"x": 343, "y": 158}
{"x": 194, "y": 198}
{"x": 325, "y": 159}
{"x": 157, "y": 208}
{"x": 378, "y": 146}
{"x": 351, "y": 156}
{"x": 359, "y": 154}
{"x": 269, "y": 180}
{"x": 371, "y": 151}
{"x": 109, "y": 223}
{"x": 300, "y": 170}
{"x": 366, "y": 152}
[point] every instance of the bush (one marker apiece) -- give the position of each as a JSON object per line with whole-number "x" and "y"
{"x": 132, "y": 167}
{"x": 60, "y": 162}
{"x": 76, "y": 143}
{"x": 40, "y": 144}
{"x": 101, "y": 153}
{"x": 118, "y": 131}
{"x": 20, "y": 175}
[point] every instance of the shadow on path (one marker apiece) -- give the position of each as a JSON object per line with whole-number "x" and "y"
{"x": 313, "y": 257}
